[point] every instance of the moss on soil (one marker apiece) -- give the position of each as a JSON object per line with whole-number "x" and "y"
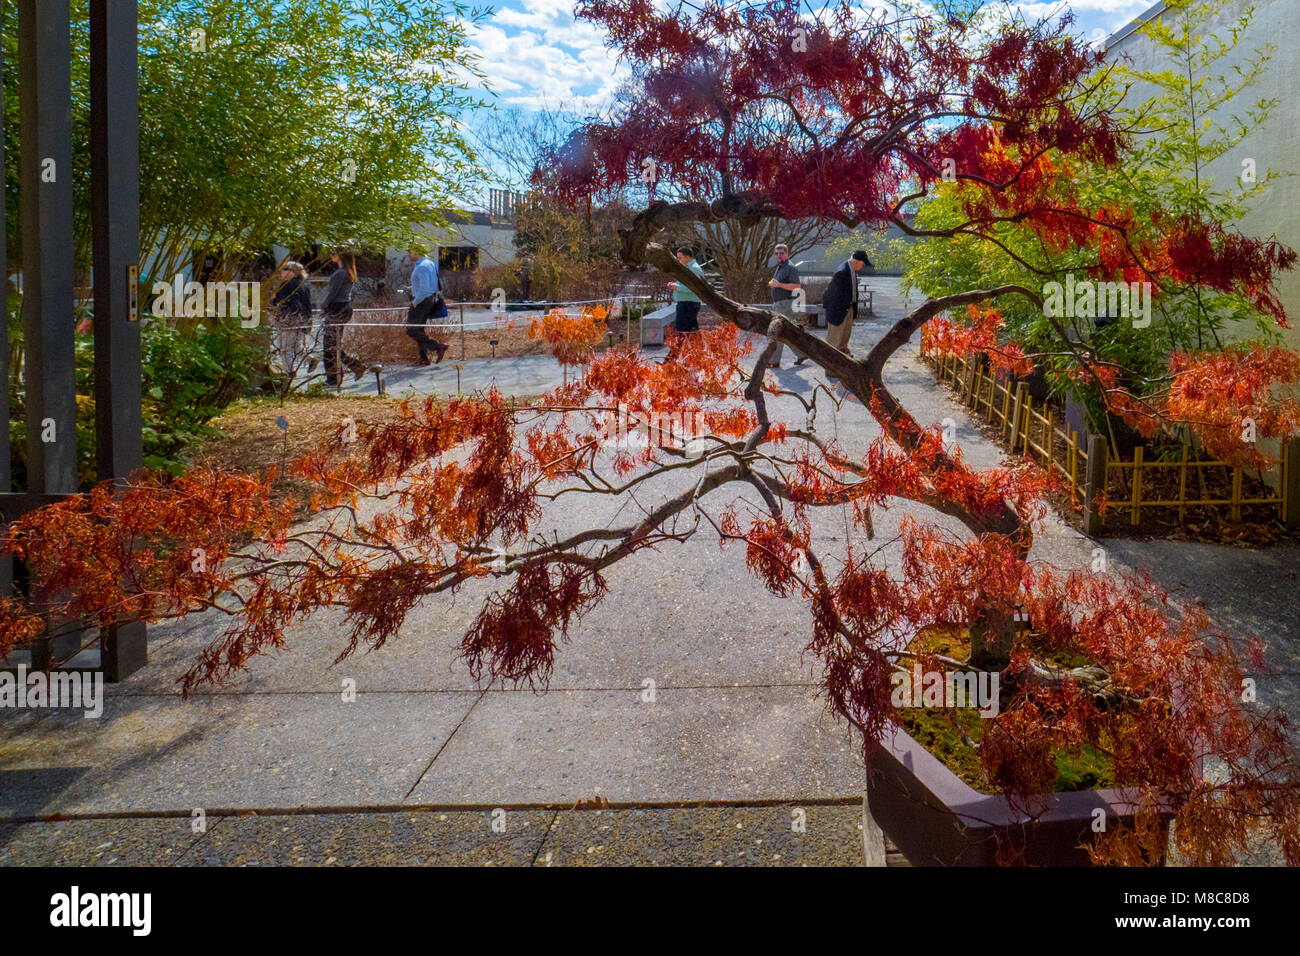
{"x": 939, "y": 730}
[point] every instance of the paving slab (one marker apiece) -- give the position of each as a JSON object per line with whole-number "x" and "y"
{"x": 523, "y": 376}
{"x": 1248, "y": 592}
{"x": 564, "y": 746}
{"x": 257, "y": 750}
{"x": 713, "y": 836}
{"x": 423, "y": 656}
{"x": 461, "y": 838}
{"x": 779, "y": 835}
{"x": 118, "y": 842}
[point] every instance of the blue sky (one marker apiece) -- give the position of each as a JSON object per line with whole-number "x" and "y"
{"x": 539, "y": 57}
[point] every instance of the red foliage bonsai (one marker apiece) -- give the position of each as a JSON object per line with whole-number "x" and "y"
{"x": 451, "y": 492}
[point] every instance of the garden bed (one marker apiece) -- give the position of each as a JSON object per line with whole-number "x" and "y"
{"x": 249, "y": 440}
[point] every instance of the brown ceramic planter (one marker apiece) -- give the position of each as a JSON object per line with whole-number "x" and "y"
{"x": 935, "y": 819}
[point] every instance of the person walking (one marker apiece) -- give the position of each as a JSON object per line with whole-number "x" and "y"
{"x": 841, "y": 301}
{"x": 336, "y": 312}
{"x": 783, "y": 285}
{"x": 686, "y": 316}
{"x": 424, "y": 296}
{"x": 291, "y": 315}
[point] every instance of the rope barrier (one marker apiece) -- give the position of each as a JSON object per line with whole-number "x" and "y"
{"x": 472, "y": 326}
{"x": 468, "y": 326}
{"x": 530, "y": 306}
{"x": 500, "y": 321}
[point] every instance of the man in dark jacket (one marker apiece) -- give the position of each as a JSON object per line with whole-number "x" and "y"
{"x": 841, "y": 301}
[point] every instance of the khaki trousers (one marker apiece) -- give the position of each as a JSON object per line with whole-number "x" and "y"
{"x": 837, "y": 336}
{"x": 784, "y": 307}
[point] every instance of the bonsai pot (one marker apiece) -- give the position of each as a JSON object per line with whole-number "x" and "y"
{"x": 936, "y": 819}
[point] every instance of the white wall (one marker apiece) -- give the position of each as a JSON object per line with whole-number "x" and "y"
{"x": 1276, "y": 144}
{"x": 496, "y": 246}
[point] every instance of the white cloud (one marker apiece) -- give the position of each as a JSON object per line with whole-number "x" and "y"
{"x": 535, "y": 55}
{"x": 538, "y": 56}
{"x": 1115, "y": 12}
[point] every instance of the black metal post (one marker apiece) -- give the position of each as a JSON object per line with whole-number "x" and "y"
{"x": 44, "y": 60}
{"x": 6, "y": 476}
{"x": 115, "y": 223}
{"x": 44, "y": 51}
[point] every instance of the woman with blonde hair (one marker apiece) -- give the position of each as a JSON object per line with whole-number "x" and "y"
{"x": 291, "y": 314}
{"x": 336, "y": 312}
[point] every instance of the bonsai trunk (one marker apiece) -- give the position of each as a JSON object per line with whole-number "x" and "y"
{"x": 992, "y": 634}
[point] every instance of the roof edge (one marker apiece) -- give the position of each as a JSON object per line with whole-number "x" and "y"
{"x": 1135, "y": 24}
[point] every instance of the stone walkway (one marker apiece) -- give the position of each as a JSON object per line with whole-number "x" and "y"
{"x": 286, "y": 770}
{"x": 526, "y": 375}
{"x": 831, "y": 835}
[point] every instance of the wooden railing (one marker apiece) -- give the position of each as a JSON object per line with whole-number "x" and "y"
{"x": 1094, "y": 481}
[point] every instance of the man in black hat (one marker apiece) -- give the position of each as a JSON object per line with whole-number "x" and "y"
{"x": 841, "y": 301}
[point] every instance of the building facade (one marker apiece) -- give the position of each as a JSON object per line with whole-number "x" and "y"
{"x": 1275, "y": 144}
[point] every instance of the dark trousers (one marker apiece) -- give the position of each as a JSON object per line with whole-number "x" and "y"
{"x": 687, "y": 318}
{"x": 416, "y": 317}
{"x": 331, "y": 337}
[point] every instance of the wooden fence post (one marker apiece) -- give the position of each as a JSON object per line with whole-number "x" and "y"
{"x": 1182, "y": 484}
{"x": 1029, "y": 421}
{"x": 1095, "y": 486}
{"x": 1135, "y": 509}
{"x": 1050, "y": 455}
{"x": 1072, "y": 461}
{"x": 1006, "y": 408}
{"x": 1291, "y": 483}
{"x": 1015, "y": 414}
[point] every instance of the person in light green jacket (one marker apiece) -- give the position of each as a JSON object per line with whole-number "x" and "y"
{"x": 687, "y": 318}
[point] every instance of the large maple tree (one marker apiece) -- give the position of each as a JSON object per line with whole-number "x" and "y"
{"x": 883, "y": 106}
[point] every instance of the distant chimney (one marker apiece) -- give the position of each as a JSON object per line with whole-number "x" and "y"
{"x": 502, "y": 203}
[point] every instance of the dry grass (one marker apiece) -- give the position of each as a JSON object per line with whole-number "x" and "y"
{"x": 251, "y": 441}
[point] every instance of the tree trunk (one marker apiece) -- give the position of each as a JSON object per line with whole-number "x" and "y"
{"x": 992, "y": 635}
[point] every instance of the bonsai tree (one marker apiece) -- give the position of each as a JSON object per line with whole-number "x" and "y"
{"x": 453, "y": 493}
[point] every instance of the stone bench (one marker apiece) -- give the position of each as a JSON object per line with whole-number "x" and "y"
{"x": 653, "y": 323}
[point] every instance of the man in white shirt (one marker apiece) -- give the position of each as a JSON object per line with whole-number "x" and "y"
{"x": 424, "y": 289}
